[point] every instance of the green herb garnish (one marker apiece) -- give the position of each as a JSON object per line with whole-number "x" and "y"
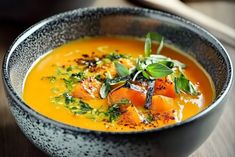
{"x": 84, "y": 107}
{"x": 68, "y": 98}
{"x": 157, "y": 70}
{"x": 121, "y": 69}
{"x": 183, "y": 84}
{"x": 148, "y": 45}
{"x": 115, "y": 56}
{"x": 77, "y": 77}
{"x": 105, "y": 88}
{"x": 114, "y": 112}
{"x": 68, "y": 83}
{"x": 52, "y": 79}
{"x": 98, "y": 78}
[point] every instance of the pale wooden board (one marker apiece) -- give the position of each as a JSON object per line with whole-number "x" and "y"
{"x": 220, "y": 144}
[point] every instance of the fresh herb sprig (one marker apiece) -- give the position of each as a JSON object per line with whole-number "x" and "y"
{"x": 185, "y": 85}
{"x": 152, "y": 67}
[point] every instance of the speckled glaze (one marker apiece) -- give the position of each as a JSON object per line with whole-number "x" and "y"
{"x": 57, "y": 139}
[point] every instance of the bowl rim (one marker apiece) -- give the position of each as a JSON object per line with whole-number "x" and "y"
{"x": 116, "y": 10}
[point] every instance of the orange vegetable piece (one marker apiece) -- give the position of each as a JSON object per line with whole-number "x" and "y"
{"x": 130, "y": 116}
{"x": 165, "y": 87}
{"x": 80, "y": 92}
{"x": 162, "y": 104}
{"x": 87, "y": 89}
{"x": 136, "y": 98}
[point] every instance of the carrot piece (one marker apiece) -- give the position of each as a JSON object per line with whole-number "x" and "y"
{"x": 165, "y": 87}
{"x": 80, "y": 92}
{"x": 130, "y": 116}
{"x": 87, "y": 89}
{"x": 162, "y": 104}
{"x": 136, "y": 98}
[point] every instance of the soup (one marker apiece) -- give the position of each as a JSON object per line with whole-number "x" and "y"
{"x": 118, "y": 84}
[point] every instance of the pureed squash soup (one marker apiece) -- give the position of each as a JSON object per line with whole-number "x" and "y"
{"x": 118, "y": 84}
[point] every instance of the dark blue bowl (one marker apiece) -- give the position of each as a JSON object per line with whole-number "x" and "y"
{"x": 59, "y": 139}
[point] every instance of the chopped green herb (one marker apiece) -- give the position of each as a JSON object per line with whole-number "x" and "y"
{"x": 68, "y": 83}
{"x": 149, "y": 118}
{"x": 68, "y": 98}
{"x": 98, "y": 78}
{"x": 115, "y": 56}
{"x": 77, "y": 77}
{"x": 69, "y": 69}
{"x": 84, "y": 107}
{"x": 52, "y": 79}
{"x": 114, "y": 112}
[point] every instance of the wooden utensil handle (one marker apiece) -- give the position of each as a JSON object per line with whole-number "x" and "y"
{"x": 220, "y": 30}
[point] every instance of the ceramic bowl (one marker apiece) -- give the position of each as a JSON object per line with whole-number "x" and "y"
{"x": 57, "y": 139}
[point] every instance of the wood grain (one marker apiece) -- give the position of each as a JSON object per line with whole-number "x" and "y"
{"x": 220, "y": 144}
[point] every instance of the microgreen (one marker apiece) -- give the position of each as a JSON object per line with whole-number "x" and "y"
{"x": 68, "y": 83}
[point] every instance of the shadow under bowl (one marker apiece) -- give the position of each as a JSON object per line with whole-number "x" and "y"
{"x": 59, "y": 139}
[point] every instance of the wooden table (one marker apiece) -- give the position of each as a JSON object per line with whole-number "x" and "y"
{"x": 220, "y": 143}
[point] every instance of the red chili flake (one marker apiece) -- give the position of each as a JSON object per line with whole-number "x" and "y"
{"x": 85, "y": 55}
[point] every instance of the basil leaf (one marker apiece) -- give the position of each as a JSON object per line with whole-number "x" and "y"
{"x": 146, "y": 75}
{"x": 160, "y": 45}
{"x": 179, "y": 64}
{"x": 155, "y": 36}
{"x": 105, "y": 88}
{"x": 121, "y": 69}
{"x": 118, "y": 80}
{"x": 148, "y": 46}
{"x": 169, "y": 64}
{"x": 183, "y": 84}
{"x": 157, "y": 70}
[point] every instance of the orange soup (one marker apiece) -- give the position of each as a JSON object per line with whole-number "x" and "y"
{"x": 118, "y": 84}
